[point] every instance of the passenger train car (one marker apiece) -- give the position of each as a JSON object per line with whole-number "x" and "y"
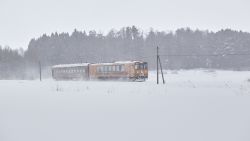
{"x": 71, "y": 72}
{"x": 128, "y": 70}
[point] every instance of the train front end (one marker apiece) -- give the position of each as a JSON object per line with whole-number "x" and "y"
{"x": 141, "y": 71}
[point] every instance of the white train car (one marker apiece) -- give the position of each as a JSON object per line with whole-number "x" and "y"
{"x": 71, "y": 71}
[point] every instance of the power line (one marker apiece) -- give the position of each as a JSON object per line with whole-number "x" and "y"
{"x": 230, "y": 54}
{"x": 196, "y": 55}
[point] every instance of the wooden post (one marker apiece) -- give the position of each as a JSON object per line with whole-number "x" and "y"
{"x": 161, "y": 71}
{"x": 40, "y": 71}
{"x": 157, "y": 56}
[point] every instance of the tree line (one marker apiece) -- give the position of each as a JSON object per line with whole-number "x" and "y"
{"x": 180, "y": 49}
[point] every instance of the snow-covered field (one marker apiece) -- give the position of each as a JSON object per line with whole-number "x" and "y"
{"x": 195, "y": 105}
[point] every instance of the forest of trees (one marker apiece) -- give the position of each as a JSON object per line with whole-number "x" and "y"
{"x": 180, "y": 49}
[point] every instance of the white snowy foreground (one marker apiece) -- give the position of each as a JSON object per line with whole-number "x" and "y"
{"x": 193, "y": 105}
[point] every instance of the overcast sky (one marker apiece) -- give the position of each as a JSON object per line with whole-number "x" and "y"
{"x": 21, "y": 20}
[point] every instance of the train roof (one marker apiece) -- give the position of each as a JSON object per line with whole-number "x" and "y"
{"x": 71, "y": 65}
{"x": 86, "y": 64}
{"x": 127, "y": 62}
{"x": 118, "y": 62}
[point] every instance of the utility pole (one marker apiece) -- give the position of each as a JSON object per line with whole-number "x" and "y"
{"x": 158, "y": 61}
{"x": 40, "y": 71}
{"x": 157, "y": 56}
{"x": 161, "y": 71}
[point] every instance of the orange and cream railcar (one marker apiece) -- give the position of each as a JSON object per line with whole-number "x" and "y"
{"x": 129, "y": 70}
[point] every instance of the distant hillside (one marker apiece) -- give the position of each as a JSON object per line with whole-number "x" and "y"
{"x": 180, "y": 49}
{"x": 130, "y": 43}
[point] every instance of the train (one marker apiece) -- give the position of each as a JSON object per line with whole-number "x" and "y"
{"x": 120, "y": 70}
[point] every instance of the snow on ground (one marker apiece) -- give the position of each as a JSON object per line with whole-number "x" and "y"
{"x": 195, "y": 105}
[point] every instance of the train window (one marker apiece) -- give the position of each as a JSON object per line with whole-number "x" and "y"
{"x": 116, "y": 68}
{"x": 101, "y": 68}
{"x": 113, "y": 68}
{"x": 145, "y": 66}
{"x": 136, "y": 66}
{"x": 141, "y": 66}
{"x": 122, "y": 68}
{"x": 105, "y": 68}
